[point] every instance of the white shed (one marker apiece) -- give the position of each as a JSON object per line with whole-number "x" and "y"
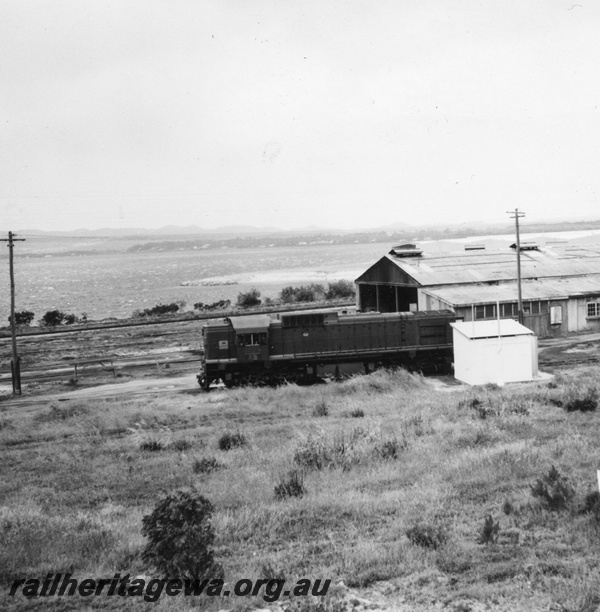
{"x": 494, "y": 352}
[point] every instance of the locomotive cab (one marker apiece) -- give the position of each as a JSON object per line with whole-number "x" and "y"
{"x": 251, "y": 338}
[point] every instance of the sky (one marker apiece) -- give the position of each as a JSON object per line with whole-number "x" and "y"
{"x": 350, "y": 114}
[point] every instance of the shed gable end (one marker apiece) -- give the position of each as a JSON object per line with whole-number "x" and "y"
{"x": 385, "y": 272}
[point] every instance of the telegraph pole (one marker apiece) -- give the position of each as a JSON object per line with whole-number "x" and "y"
{"x": 516, "y": 217}
{"x": 15, "y": 366}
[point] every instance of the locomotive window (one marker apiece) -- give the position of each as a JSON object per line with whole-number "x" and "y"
{"x": 303, "y": 320}
{"x": 255, "y": 339}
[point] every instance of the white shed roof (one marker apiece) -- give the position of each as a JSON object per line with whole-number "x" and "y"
{"x": 490, "y": 329}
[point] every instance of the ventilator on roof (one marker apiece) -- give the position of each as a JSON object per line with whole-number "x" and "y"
{"x": 406, "y": 250}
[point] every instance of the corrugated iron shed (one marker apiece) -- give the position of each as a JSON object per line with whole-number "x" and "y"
{"x": 543, "y": 289}
{"x": 471, "y": 267}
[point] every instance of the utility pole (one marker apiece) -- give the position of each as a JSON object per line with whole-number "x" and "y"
{"x": 516, "y": 217}
{"x": 15, "y": 366}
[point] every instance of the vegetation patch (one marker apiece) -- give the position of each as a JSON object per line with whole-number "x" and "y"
{"x": 347, "y": 448}
{"x": 207, "y": 465}
{"x": 553, "y": 490}
{"x": 431, "y": 535}
{"x": 578, "y": 399}
{"x": 232, "y": 439}
{"x": 419, "y": 492}
{"x": 321, "y": 409}
{"x": 291, "y": 485}
{"x": 180, "y": 537}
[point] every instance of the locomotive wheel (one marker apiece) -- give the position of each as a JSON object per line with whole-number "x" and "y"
{"x": 203, "y": 382}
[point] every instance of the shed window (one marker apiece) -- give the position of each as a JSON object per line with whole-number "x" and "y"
{"x": 509, "y": 310}
{"x": 255, "y": 339}
{"x": 593, "y": 309}
{"x": 488, "y": 311}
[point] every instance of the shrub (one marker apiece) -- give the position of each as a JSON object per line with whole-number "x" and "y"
{"x": 389, "y": 449}
{"x": 181, "y": 536}
{"x": 181, "y": 445}
{"x": 55, "y": 317}
{"x": 489, "y": 532}
{"x": 581, "y": 399}
{"x": 339, "y": 290}
{"x": 291, "y": 486}
{"x": 151, "y": 438}
{"x": 591, "y": 505}
{"x": 220, "y": 305}
{"x": 553, "y": 489}
{"x": 206, "y": 465}
{"x": 52, "y": 318}
{"x": 249, "y": 298}
{"x": 158, "y": 310}
{"x": 152, "y": 445}
{"x": 268, "y": 572}
{"x": 427, "y": 535}
{"x": 288, "y": 295}
{"x": 357, "y": 413}
{"x": 345, "y": 449}
{"x": 304, "y": 293}
{"x": 23, "y": 317}
{"x": 321, "y": 409}
{"x": 231, "y": 440}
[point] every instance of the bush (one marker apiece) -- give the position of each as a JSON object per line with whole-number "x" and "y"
{"x": 489, "y": 532}
{"x": 357, "y": 413}
{"x": 389, "y": 449}
{"x": 181, "y": 445}
{"x": 345, "y": 449}
{"x": 321, "y": 409}
{"x": 181, "y": 536}
{"x": 308, "y": 293}
{"x": 553, "y": 489}
{"x": 580, "y": 399}
{"x": 151, "y": 438}
{"x": 291, "y": 486}
{"x": 53, "y": 318}
{"x": 158, "y": 310}
{"x": 231, "y": 440}
{"x": 427, "y": 535}
{"x": 288, "y": 295}
{"x": 23, "y": 317}
{"x": 339, "y": 290}
{"x": 220, "y": 305}
{"x": 206, "y": 465}
{"x": 249, "y": 299}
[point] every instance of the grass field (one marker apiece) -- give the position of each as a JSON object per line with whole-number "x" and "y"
{"x": 399, "y": 479}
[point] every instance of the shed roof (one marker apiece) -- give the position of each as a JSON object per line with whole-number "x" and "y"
{"x": 432, "y": 269}
{"x": 543, "y": 289}
{"x": 490, "y": 329}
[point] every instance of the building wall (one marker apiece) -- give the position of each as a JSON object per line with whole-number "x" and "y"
{"x": 578, "y": 314}
{"x": 488, "y": 360}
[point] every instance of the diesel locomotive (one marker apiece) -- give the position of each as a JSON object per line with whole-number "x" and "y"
{"x": 303, "y": 346}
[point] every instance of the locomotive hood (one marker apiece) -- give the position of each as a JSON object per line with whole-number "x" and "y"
{"x": 251, "y": 323}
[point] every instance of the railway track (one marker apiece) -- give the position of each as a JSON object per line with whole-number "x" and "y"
{"x": 110, "y": 366}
